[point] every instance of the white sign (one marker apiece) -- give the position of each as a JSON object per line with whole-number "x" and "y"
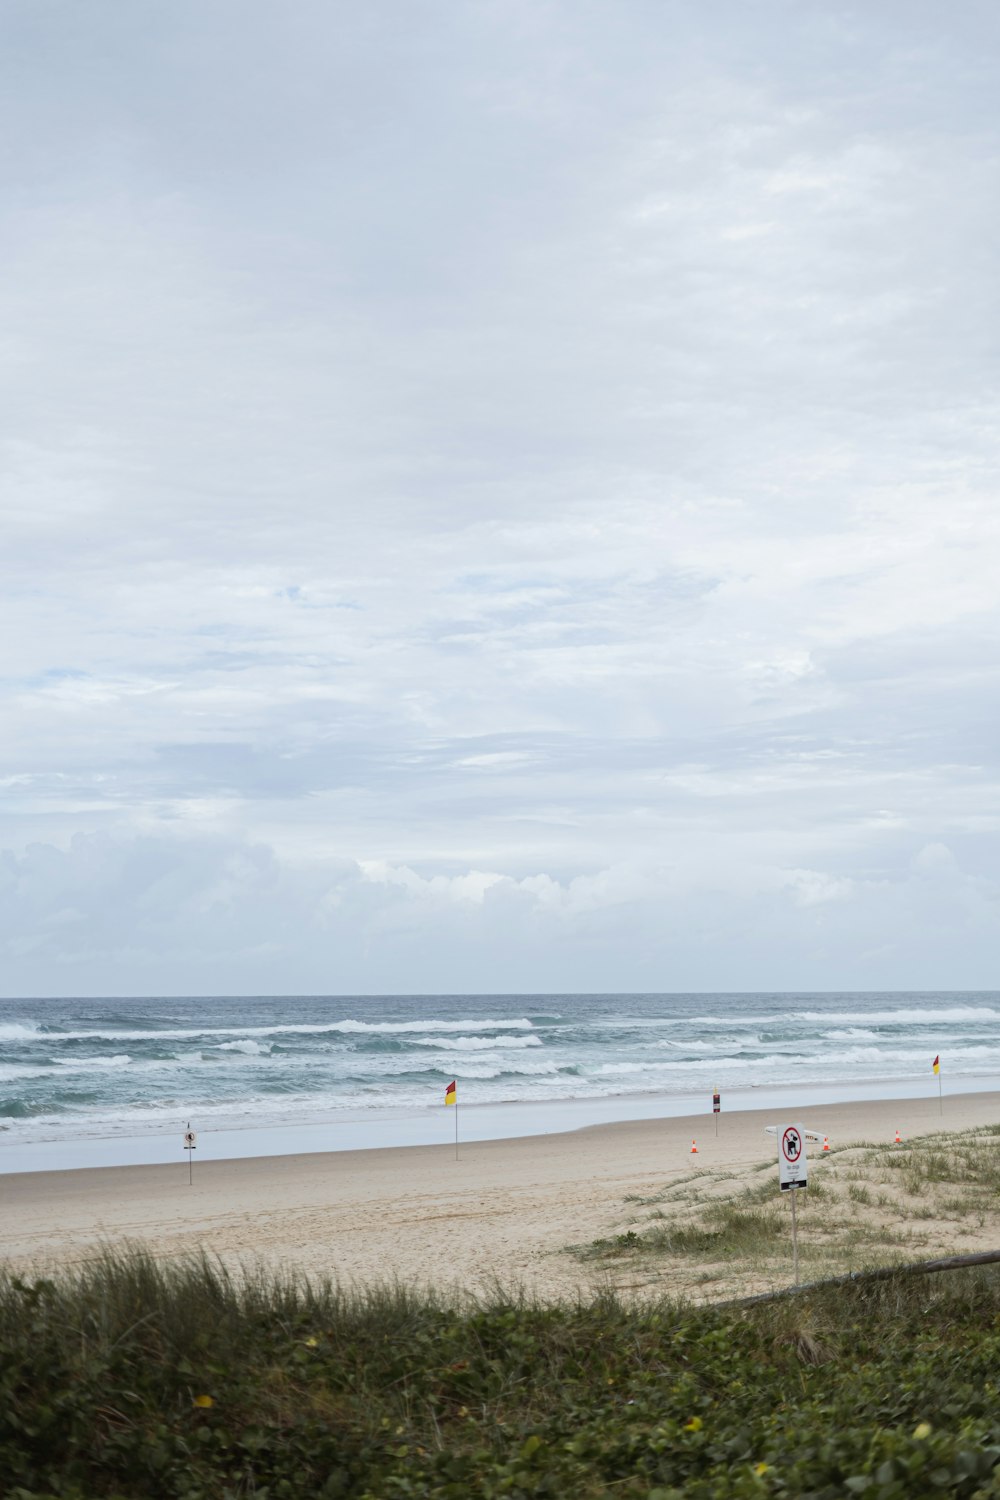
{"x": 190, "y": 1140}
{"x": 791, "y": 1156}
{"x": 810, "y": 1135}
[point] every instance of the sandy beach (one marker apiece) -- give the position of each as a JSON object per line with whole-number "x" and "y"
{"x": 506, "y": 1210}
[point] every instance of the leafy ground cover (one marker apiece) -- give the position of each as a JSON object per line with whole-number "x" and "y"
{"x": 129, "y": 1379}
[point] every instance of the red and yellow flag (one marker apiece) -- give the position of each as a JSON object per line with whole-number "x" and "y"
{"x": 937, "y": 1063}
{"x": 451, "y": 1093}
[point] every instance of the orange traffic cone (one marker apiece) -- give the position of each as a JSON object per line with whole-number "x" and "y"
{"x": 826, "y": 1143}
{"x": 694, "y": 1149}
{"x": 899, "y": 1139}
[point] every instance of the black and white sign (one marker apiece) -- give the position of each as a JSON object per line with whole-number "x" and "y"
{"x": 791, "y": 1156}
{"x": 190, "y": 1140}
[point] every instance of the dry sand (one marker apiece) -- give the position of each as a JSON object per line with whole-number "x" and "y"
{"x": 505, "y": 1211}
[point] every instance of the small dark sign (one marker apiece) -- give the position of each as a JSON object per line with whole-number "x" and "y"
{"x": 716, "y": 1104}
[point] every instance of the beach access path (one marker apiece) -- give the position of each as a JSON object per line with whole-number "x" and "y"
{"x": 505, "y": 1211}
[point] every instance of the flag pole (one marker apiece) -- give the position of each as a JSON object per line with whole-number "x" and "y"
{"x": 940, "y": 1091}
{"x": 456, "y": 1124}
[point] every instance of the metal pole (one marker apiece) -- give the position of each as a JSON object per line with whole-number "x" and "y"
{"x": 940, "y": 1092}
{"x": 456, "y": 1127}
{"x": 795, "y": 1239}
{"x": 190, "y": 1161}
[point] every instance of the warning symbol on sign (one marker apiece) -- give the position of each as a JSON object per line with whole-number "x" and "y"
{"x": 791, "y": 1156}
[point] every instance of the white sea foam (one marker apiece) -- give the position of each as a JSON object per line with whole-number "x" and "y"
{"x": 520, "y": 1024}
{"x": 84, "y": 1064}
{"x": 59, "y": 1069}
{"x": 918, "y": 1014}
{"x": 10, "y": 1072}
{"x": 478, "y": 1069}
{"x": 461, "y": 1065}
{"x": 476, "y": 1043}
{"x": 912, "y": 1016}
{"x": 19, "y": 1031}
{"x": 313, "y": 1028}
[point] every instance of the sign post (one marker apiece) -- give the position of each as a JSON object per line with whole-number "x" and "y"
{"x": 792, "y": 1174}
{"x": 190, "y": 1146}
{"x": 716, "y": 1107}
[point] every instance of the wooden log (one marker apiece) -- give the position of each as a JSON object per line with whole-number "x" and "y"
{"x": 881, "y": 1273}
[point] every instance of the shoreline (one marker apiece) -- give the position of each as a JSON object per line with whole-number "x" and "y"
{"x": 508, "y": 1120}
{"x": 505, "y": 1212}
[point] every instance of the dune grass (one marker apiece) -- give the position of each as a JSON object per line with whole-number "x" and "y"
{"x": 866, "y": 1205}
{"x": 128, "y": 1378}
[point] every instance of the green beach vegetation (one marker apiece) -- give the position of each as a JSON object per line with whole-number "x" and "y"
{"x": 866, "y": 1205}
{"x": 132, "y": 1379}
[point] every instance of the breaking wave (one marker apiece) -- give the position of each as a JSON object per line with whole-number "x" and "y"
{"x": 72, "y": 1067}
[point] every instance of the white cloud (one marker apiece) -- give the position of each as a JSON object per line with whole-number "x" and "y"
{"x": 813, "y": 887}
{"x": 541, "y": 460}
{"x": 116, "y": 915}
{"x": 471, "y": 887}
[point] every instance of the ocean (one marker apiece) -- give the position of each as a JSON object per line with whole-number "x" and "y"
{"x": 252, "y": 1074}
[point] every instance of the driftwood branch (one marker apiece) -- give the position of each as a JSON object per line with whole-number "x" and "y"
{"x": 883, "y": 1273}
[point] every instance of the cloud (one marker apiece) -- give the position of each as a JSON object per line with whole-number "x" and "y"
{"x": 471, "y": 887}
{"x": 543, "y": 455}
{"x": 812, "y": 887}
{"x": 174, "y": 915}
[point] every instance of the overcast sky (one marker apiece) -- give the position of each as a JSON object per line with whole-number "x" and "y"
{"x": 499, "y": 495}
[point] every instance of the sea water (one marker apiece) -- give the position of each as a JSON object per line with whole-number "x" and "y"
{"x": 355, "y": 1070}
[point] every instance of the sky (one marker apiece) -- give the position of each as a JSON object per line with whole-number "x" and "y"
{"x": 499, "y": 496}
